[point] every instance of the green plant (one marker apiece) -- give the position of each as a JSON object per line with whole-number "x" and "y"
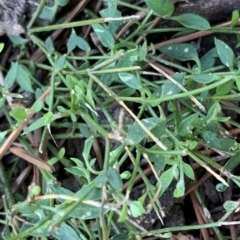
{"x": 176, "y": 113}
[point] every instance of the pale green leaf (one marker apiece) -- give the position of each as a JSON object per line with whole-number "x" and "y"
{"x": 205, "y": 78}
{"x": 188, "y": 171}
{"x": 181, "y": 52}
{"x": 225, "y": 53}
{"x": 233, "y": 162}
{"x": 235, "y": 18}
{"x": 211, "y": 139}
{"x": 104, "y": 36}
{"x": 37, "y": 106}
{"x": 169, "y": 88}
{"x": 163, "y": 8}
{"x": 11, "y": 75}
{"x": 180, "y": 189}
{"x": 136, "y": 133}
{"x": 23, "y": 79}
{"x": 130, "y": 80}
{"x": 192, "y": 21}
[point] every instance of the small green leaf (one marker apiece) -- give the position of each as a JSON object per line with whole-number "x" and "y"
{"x": 1, "y": 46}
{"x": 65, "y": 232}
{"x": 228, "y": 144}
{"x": 2, "y": 136}
{"x": 192, "y": 21}
{"x": 25, "y": 207}
{"x": 165, "y": 235}
{"x": 112, "y": 12}
{"x": 104, "y": 36}
{"x": 2, "y": 102}
{"x": 23, "y": 79}
{"x": 165, "y": 180}
{"x": 62, "y": 3}
{"x": 130, "y": 80}
{"x": 73, "y": 117}
{"x": 35, "y": 125}
{"x": 205, "y": 78}
{"x": 112, "y": 8}
{"x": 7, "y": 233}
{"x": 188, "y": 171}
{"x": 48, "y": 13}
{"x": 120, "y": 236}
{"x": 11, "y": 75}
{"x": 191, "y": 144}
{"x": 76, "y": 41}
{"x": 180, "y": 189}
{"x": 208, "y": 60}
{"x": 87, "y": 148}
{"x": 225, "y": 88}
{"x": 237, "y": 79}
{"x": 225, "y": 53}
{"x": 114, "y": 179}
{"x": 37, "y": 106}
{"x": 129, "y": 58}
{"x": 181, "y": 52}
{"x": 34, "y": 190}
{"x": 185, "y": 126}
{"x": 214, "y": 110}
{"x": 49, "y": 45}
{"x": 231, "y": 205}
{"x": 71, "y": 81}
{"x": 19, "y": 114}
{"x": 220, "y": 187}
{"x": 17, "y": 40}
{"x": 59, "y": 64}
{"x": 123, "y": 214}
{"x": 211, "y": 139}
{"x": 233, "y": 162}
{"x": 61, "y": 153}
{"x": 163, "y": 8}
{"x": 143, "y": 52}
{"x": 137, "y": 209}
{"x": 84, "y": 212}
{"x": 125, "y": 175}
{"x": 235, "y": 17}
{"x": 136, "y": 133}
{"x": 175, "y": 171}
{"x": 169, "y": 88}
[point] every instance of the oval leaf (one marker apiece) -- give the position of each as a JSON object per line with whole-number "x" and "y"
{"x": 161, "y": 7}
{"x": 136, "y": 133}
{"x": 76, "y": 41}
{"x": 169, "y": 88}
{"x": 130, "y": 80}
{"x": 11, "y": 75}
{"x": 225, "y": 53}
{"x": 23, "y": 79}
{"x": 205, "y": 78}
{"x": 19, "y": 114}
{"x": 211, "y": 139}
{"x": 193, "y": 21}
{"x": 104, "y": 36}
{"x": 181, "y": 52}
{"x": 233, "y": 162}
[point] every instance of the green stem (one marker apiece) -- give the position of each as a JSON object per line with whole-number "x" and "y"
{"x": 77, "y": 24}
{"x": 113, "y": 70}
{"x": 6, "y": 186}
{"x": 216, "y": 229}
{"x": 186, "y": 228}
{"x": 36, "y": 13}
{"x": 157, "y": 101}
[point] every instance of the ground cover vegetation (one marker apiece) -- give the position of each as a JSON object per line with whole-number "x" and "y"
{"x": 110, "y": 97}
